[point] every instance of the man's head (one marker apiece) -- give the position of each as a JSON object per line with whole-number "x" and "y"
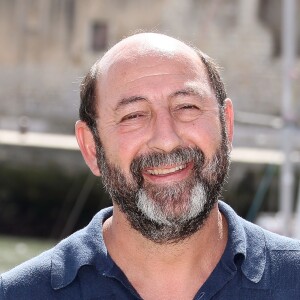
{"x": 156, "y": 124}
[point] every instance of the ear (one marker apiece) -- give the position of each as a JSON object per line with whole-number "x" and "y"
{"x": 229, "y": 119}
{"x": 87, "y": 146}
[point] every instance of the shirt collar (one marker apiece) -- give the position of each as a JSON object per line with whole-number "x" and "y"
{"x": 246, "y": 240}
{"x": 84, "y": 247}
{"x": 87, "y": 247}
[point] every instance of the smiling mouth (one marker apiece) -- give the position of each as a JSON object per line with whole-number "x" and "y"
{"x": 166, "y": 171}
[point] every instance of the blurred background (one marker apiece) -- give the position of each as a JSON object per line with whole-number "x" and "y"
{"x": 47, "y": 46}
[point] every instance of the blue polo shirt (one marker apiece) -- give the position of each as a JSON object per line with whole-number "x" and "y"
{"x": 256, "y": 264}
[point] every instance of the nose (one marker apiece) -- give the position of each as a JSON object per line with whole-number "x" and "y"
{"x": 164, "y": 134}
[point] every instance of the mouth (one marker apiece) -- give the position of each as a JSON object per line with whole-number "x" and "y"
{"x": 166, "y": 170}
{"x": 165, "y": 174}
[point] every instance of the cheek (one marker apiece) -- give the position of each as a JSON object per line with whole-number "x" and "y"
{"x": 206, "y": 134}
{"x": 123, "y": 148}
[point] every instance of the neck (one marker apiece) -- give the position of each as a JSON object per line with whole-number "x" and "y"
{"x": 198, "y": 254}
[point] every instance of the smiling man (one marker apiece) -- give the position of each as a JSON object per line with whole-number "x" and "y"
{"x": 157, "y": 126}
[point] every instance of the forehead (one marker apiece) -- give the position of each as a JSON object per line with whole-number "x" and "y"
{"x": 132, "y": 68}
{"x": 151, "y": 65}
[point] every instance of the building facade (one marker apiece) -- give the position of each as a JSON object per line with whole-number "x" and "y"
{"x": 48, "y": 45}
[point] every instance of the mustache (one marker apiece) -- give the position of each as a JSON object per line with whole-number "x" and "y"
{"x": 178, "y": 156}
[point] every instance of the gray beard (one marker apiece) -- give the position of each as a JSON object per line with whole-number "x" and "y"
{"x": 158, "y": 215}
{"x": 171, "y": 213}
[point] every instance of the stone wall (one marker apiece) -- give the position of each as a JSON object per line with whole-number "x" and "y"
{"x": 46, "y": 48}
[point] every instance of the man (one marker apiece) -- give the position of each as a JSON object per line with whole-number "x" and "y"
{"x": 157, "y": 126}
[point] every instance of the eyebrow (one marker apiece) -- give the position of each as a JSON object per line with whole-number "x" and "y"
{"x": 188, "y": 91}
{"x": 126, "y": 101}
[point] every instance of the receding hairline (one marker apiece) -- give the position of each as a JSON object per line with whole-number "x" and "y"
{"x": 142, "y": 44}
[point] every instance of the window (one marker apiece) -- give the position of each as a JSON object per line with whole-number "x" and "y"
{"x": 99, "y": 36}
{"x": 270, "y": 13}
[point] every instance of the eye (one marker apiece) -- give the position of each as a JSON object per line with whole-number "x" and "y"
{"x": 187, "y": 112}
{"x": 133, "y": 117}
{"x": 188, "y": 106}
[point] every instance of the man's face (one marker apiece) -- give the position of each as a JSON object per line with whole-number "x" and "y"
{"x": 162, "y": 154}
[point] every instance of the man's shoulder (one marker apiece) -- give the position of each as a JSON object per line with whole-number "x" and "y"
{"x": 269, "y": 261}
{"x": 40, "y": 276}
{"x": 256, "y": 235}
{"x": 278, "y": 242}
{"x": 273, "y": 242}
{"x": 34, "y": 273}
{"x": 283, "y": 254}
{"x": 57, "y": 267}
{"x": 280, "y": 257}
{"x": 284, "y": 249}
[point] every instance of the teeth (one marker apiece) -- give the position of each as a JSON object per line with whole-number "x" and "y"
{"x": 166, "y": 171}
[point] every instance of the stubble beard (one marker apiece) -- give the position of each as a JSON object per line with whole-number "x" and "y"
{"x": 173, "y": 212}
